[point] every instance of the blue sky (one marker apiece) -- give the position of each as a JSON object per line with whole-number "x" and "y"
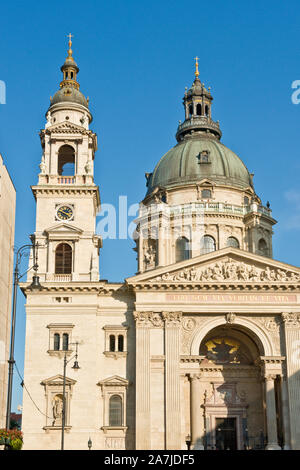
{"x": 135, "y": 59}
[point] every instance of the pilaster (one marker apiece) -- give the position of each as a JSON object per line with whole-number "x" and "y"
{"x": 291, "y": 327}
{"x": 172, "y": 379}
{"x": 143, "y": 428}
{"x": 196, "y": 418}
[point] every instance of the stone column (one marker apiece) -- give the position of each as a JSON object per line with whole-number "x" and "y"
{"x": 291, "y": 327}
{"x": 271, "y": 414}
{"x": 285, "y": 413}
{"x": 196, "y": 428}
{"x": 142, "y": 429}
{"x": 172, "y": 380}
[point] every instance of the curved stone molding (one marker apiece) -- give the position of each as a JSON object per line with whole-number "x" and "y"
{"x": 264, "y": 339}
{"x": 229, "y": 270}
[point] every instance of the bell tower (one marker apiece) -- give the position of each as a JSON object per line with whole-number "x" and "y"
{"x": 67, "y": 199}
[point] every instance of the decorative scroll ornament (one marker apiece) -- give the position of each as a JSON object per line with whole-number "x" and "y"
{"x": 229, "y": 270}
{"x": 188, "y": 324}
{"x": 230, "y": 317}
{"x": 270, "y": 324}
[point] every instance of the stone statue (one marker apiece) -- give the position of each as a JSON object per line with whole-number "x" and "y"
{"x": 43, "y": 166}
{"x": 88, "y": 167}
{"x": 49, "y": 119}
{"x": 149, "y": 256}
{"x": 57, "y": 410}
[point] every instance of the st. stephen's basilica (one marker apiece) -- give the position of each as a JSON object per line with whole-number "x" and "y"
{"x": 198, "y": 350}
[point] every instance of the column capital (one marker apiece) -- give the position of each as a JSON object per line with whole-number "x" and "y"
{"x": 148, "y": 319}
{"x": 141, "y": 318}
{"x": 172, "y": 318}
{"x": 290, "y": 319}
{"x": 195, "y": 376}
{"x": 270, "y": 377}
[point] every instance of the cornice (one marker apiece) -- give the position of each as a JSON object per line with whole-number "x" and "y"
{"x": 77, "y": 287}
{"x": 64, "y": 190}
{"x": 215, "y": 286}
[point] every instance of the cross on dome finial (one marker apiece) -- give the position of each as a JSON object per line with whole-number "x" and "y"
{"x": 70, "y": 36}
{"x": 196, "y": 65}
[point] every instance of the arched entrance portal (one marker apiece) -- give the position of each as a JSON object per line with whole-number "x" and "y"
{"x": 233, "y": 400}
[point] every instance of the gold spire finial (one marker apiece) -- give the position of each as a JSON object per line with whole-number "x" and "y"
{"x": 197, "y": 70}
{"x": 70, "y": 36}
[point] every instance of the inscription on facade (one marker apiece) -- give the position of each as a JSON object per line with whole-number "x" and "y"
{"x": 115, "y": 443}
{"x": 233, "y": 298}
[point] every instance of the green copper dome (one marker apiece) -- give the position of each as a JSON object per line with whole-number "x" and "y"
{"x": 199, "y": 153}
{"x": 196, "y": 158}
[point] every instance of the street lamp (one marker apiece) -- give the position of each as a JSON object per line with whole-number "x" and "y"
{"x": 35, "y": 285}
{"x": 75, "y": 367}
{"x": 90, "y": 443}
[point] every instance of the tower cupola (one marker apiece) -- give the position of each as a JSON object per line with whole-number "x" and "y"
{"x": 69, "y": 87}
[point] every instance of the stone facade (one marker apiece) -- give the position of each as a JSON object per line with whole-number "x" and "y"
{"x": 197, "y": 351}
{"x": 7, "y": 233}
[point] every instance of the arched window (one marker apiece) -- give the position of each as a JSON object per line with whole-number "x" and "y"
{"x": 206, "y": 111}
{"x": 246, "y": 200}
{"x": 199, "y": 109}
{"x": 63, "y": 259}
{"x": 120, "y": 343}
{"x": 207, "y": 244}
{"x": 66, "y": 161}
{"x": 112, "y": 342}
{"x": 65, "y": 342}
{"x": 182, "y": 249}
{"x": 263, "y": 247}
{"x": 232, "y": 241}
{"x": 191, "y": 110}
{"x": 115, "y": 411}
{"x": 206, "y": 193}
{"x": 56, "y": 342}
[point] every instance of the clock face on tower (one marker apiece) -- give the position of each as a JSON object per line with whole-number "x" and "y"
{"x": 64, "y": 213}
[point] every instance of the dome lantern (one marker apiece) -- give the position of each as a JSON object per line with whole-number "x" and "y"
{"x": 197, "y": 104}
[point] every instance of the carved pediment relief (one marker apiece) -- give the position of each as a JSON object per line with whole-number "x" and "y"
{"x": 229, "y": 270}
{"x": 67, "y": 128}
{"x": 226, "y": 265}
